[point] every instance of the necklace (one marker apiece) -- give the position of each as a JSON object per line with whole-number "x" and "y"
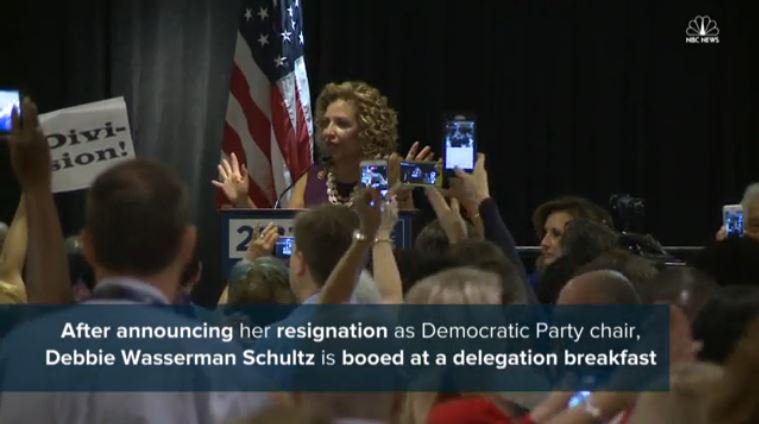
{"x": 334, "y": 195}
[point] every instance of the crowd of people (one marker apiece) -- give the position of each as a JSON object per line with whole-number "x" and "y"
{"x": 138, "y": 246}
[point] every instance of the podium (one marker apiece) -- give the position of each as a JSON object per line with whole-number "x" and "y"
{"x": 240, "y": 226}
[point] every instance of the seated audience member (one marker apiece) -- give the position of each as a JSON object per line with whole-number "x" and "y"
{"x": 265, "y": 282}
{"x": 457, "y": 286}
{"x": 636, "y": 269}
{"x": 730, "y": 262}
{"x": 415, "y": 266}
{"x": 687, "y": 401}
{"x": 486, "y": 256}
{"x": 686, "y": 287}
{"x": 551, "y": 218}
{"x": 138, "y": 239}
{"x": 282, "y": 414}
{"x": 586, "y": 240}
{"x": 735, "y": 397}
{"x": 723, "y": 320}
{"x": 604, "y": 287}
{"x": 583, "y": 241}
{"x": 433, "y": 239}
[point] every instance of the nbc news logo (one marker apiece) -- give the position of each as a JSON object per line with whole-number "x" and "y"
{"x": 702, "y": 30}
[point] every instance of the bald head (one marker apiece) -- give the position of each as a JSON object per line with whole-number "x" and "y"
{"x": 598, "y": 288}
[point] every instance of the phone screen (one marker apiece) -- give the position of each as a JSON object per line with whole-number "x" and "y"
{"x": 8, "y": 100}
{"x": 459, "y": 143}
{"x": 419, "y": 173}
{"x": 578, "y": 398}
{"x": 733, "y": 221}
{"x": 283, "y": 248}
{"x": 374, "y": 175}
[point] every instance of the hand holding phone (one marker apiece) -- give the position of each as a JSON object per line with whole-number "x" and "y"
{"x": 374, "y": 175}
{"x": 283, "y": 248}
{"x": 420, "y": 174}
{"x": 732, "y": 220}
{"x": 459, "y": 143}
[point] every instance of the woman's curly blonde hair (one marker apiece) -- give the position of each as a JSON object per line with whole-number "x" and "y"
{"x": 378, "y": 122}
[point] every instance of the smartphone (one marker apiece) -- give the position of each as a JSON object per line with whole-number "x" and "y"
{"x": 420, "y": 174}
{"x": 732, "y": 219}
{"x": 459, "y": 143}
{"x": 283, "y": 248}
{"x": 9, "y": 99}
{"x": 578, "y": 399}
{"x": 374, "y": 175}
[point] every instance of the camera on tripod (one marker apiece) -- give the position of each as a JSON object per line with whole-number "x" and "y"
{"x": 629, "y": 211}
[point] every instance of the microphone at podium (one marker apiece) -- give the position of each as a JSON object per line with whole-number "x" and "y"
{"x": 321, "y": 161}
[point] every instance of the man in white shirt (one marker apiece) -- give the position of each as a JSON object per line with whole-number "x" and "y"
{"x": 138, "y": 238}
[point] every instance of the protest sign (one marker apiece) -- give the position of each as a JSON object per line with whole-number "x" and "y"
{"x": 86, "y": 140}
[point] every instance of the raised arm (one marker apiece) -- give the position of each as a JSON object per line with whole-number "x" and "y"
{"x": 404, "y": 196}
{"x": 473, "y": 191}
{"x": 344, "y": 277}
{"x": 384, "y": 267}
{"x": 449, "y": 215}
{"x": 234, "y": 182}
{"x": 47, "y": 274}
{"x": 13, "y": 253}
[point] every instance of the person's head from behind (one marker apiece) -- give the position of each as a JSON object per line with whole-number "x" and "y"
{"x": 354, "y": 122}
{"x": 685, "y": 287}
{"x": 604, "y": 287}
{"x": 724, "y": 319}
{"x": 730, "y": 262}
{"x": 432, "y": 239}
{"x": 138, "y": 225}
{"x": 457, "y": 286}
{"x": 750, "y": 204}
{"x": 585, "y": 239}
{"x": 284, "y": 414}
{"x": 639, "y": 271}
{"x": 737, "y": 393}
{"x": 551, "y": 218}
{"x": 266, "y": 282}
{"x": 322, "y": 236}
{"x": 486, "y": 256}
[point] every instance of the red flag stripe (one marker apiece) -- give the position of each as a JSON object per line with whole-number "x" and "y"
{"x": 258, "y": 124}
{"x": 283, "y": 131}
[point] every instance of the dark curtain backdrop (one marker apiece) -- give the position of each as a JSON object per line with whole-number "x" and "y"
{"x": 589, "y": 97}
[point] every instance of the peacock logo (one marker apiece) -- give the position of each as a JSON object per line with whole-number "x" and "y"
{"x": 702, "y": 30}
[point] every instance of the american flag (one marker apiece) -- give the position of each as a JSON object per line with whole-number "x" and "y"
{"x": 268, "y": 121}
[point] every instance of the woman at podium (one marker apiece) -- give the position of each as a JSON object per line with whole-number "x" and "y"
{"x": 353, "y": 122}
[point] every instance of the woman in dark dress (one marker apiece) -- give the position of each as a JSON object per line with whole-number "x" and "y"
{"x": 353, "y": 122}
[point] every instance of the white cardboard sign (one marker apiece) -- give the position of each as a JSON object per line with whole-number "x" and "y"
{"x": 86, "y": 140}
